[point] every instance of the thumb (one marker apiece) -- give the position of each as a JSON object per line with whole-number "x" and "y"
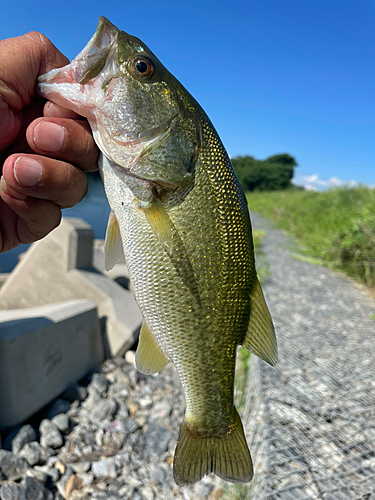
{"x": 22, "y": 60}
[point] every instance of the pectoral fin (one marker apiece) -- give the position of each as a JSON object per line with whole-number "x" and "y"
{"x": 260, "y": 337}
{"x": 114, "y": 252}
{"x": 161, "y": 224}
{"x": 149, "y": 358}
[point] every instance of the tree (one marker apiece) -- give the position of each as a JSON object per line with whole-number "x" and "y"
{"x": 273, "y": 173}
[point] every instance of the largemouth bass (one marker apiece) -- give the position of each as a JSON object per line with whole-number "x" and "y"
{"x": 180, "y": 218}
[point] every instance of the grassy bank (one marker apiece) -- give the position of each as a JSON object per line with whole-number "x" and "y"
{"x": 336, "y": 226}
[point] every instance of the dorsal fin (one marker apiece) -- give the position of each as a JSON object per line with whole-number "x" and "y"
{"x": 260, "y": 337}
{"x": 149, "y": 358}
{"x": 114, "y": 252}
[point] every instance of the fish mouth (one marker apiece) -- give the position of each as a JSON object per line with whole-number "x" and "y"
{"x": 88, "y": 63}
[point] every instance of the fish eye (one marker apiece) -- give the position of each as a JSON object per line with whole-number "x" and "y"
{"x": 142, "y": 67}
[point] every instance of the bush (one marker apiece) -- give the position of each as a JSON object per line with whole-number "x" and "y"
{"x": 274, "y": 173}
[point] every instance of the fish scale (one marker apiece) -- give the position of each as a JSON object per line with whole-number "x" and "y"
{"x": 181, "y": 220}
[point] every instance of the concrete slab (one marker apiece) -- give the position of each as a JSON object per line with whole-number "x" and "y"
{"x": 59, "y": 268}
{"x": 3, "y": 278}
{"x": 43, "y": 350}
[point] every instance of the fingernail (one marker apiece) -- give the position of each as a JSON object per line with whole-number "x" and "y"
{"x": 4, "y": 188}
{"x": 3, "y": 184}
{"x": 49, "y": 136}
{"x": 27, "y": 171}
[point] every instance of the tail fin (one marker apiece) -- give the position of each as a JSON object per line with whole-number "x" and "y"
{"x": 227, "y": 456}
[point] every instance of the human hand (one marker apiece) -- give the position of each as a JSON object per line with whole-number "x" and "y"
{"x": 44, "y": 148}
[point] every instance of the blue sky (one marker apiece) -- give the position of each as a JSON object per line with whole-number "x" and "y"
{"x": 274, "y": 76}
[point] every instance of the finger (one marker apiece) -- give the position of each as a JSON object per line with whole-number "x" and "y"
{"x": 26, "y": 221}
{"x": 23, "y": 59}
{"x": 64, "y": 139}
{"x": 44, "y": 178}
{"x": 52, "y": 110}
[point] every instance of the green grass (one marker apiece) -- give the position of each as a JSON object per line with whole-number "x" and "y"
{"x": 337, "y": 227}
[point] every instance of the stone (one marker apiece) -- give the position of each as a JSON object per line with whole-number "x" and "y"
{"x": 130, "y": 357}
{"x": 36, "y": 473}
{"x": 73, "y": 483}
{"x": 82, "y": 393}
{"x": 136, "y": 464}
{"x": 60, "y": 485}
{"x": 32, "y": 452}
{"x": 203, "y": 490}
{"x": 126, "y": 491}
{"x": 87, "y": 478}
{"x": 147, "y": 493}
{"x": 122, "y": 459}
{"x": 59, "y": 406}
{"x": 80, "y": 467}
{"x": 25, "y": 435}
{"x": 157, "y": 438}
{"x": 157, "y": 474}
{"x": 10, "y": 491}
{"x": 61, "y": 421}
{"x": 133, "y": 481}
{"x": 54, "y": 474}
{"x": 50, "y": 434}
{"x": 103, "y": 409}
{"x": 146, "y": 403}
{"x": 104, "y": 468}
{"x": 42, "y": 350}
{"x": 46, "y": 453}
{"x": 100, "y": 382}
{"x": 12, "y": 466}
{"x": 122, "y": 411}
{"x": 129, "y": 425}
{"x": 161, "y": 410}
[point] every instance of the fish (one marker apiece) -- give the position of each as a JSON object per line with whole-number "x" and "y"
{"x": 180, "y": 218}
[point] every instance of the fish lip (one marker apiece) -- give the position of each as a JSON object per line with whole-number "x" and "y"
{"x": 96, "y": 48}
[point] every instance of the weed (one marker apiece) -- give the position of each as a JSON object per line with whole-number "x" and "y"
{"x": 336, "y": 226}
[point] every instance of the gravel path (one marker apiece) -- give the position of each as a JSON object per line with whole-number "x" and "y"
{"x": 310, "y": 421}
{"x": 312, "y": 417}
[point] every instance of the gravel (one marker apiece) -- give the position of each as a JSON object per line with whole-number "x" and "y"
{"x": 309, "y": 421}
{"x": 311, "y": 418}
{"x": 115, "y": 443}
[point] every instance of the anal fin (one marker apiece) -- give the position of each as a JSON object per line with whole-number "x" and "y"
{"x": 227, "y": 455}
{"x": 114, "y": 252}
{"x": 260, "y": 337}
{"x": 149, "y": 358}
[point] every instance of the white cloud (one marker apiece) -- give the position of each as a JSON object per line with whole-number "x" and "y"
{"x": 315, "y": 183}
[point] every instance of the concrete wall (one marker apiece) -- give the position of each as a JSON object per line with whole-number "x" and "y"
{"x": 59, "y": 268}
{"x": 42, "y": 350}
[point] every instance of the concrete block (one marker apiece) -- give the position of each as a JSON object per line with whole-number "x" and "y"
{"x": 59, "y": 268}
{"x": 3, "y": 278}
{"x": 43, "y": 350}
